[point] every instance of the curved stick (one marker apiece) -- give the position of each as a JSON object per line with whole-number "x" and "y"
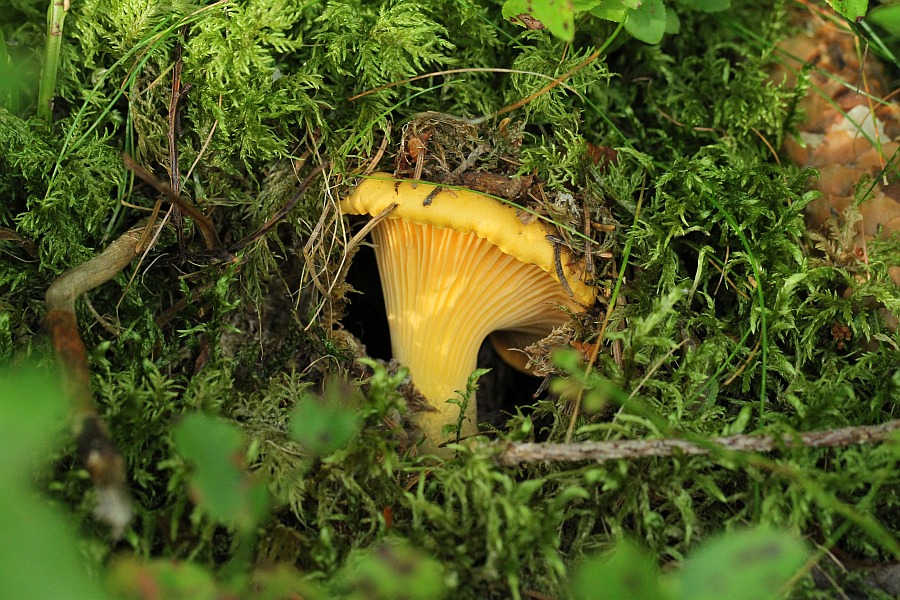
{"x": 96, "y": 450}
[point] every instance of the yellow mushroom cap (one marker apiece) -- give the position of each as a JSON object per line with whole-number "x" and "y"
{"x": 467, "y": 211}
{"x": 453, "y": 272}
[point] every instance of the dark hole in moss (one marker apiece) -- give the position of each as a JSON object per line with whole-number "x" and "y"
{"x": 500, "y": 391}
{"x": 366, "y": 316}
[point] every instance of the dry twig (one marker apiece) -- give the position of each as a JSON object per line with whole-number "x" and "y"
{"x": 515, "y": 453}
{"x": 277, "y": 217}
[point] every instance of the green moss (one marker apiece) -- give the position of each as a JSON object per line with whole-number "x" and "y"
{"x": 719, "y": 243}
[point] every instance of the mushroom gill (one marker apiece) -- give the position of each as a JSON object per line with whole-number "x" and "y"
{"x": 456, "y": 266}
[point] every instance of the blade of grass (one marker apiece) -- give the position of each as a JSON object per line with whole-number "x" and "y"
{"x": 9, "y": 92}
{"x": 56, "y": 15}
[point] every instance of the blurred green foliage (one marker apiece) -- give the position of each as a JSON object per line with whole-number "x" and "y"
{"x": 37, "y": 540}
{"x": 324, "y": 425}
{"x": 754, "y": 564}
{"x": 38, "y": 555}
{"x": 219, "y": 484}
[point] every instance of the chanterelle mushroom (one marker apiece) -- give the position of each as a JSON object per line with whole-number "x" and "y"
{"x": 455, "y": 266}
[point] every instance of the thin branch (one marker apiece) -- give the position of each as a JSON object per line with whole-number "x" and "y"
{"x": 277, "y": 217}
{"x": 556, "y": 82}
{"x": 466, "y": 70}
{"x": 521, "y": 452}
{"x": 172, "y": 135}
{"x": 207, "y": 231}
{"x": 95, "y": 448}
{"x": 26, "y": 244}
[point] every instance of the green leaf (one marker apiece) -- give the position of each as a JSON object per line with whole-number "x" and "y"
{"x": 755, "y": 564}
{"x": 220, "y": 483}
{"x": 647, "y": 22}
{"x": 611, "y": 10}
{"x": 673, "y": 23}
{"x": 32, "y": 411}
{"x": 887, "y": 16}
{"x": 392, "y": 569}
{"x": 850, "y": 9}
{"x": 558, "y": 16}
{"x": 325, "y": 425}
{"x": 585, "y": 5}
{"x": 512, "y": 9}
{"x": 39, "y": 556}
{"x": 629, "y": 572}
{"x": 708, "y": 5}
